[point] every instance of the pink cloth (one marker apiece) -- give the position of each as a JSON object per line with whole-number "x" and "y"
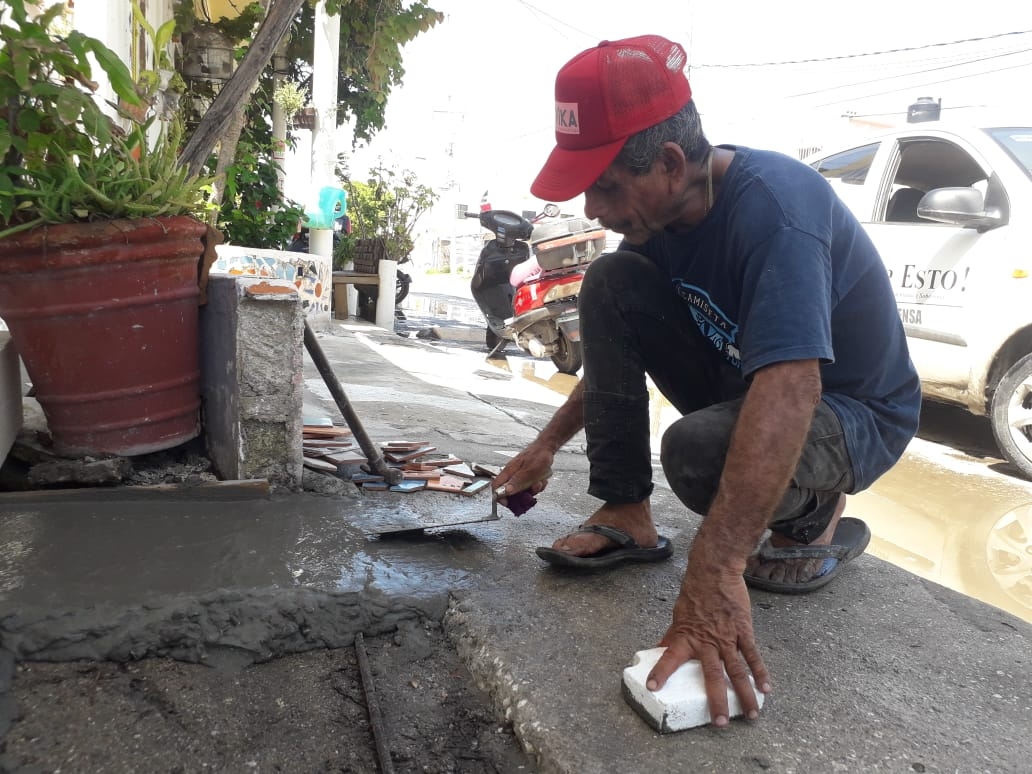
{"x": 522, "y": 272}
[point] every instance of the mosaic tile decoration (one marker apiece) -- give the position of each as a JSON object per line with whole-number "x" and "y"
{"x": 312, "y": 275}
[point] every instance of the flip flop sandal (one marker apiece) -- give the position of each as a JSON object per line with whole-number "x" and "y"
{"x": 625, "y": 550}
{"x": 850, "y": 539}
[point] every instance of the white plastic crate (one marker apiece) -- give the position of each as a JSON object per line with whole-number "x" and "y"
{"x": 568, "y": 242}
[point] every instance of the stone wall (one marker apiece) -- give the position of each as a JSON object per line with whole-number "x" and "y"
{"x": 252, "y": 365}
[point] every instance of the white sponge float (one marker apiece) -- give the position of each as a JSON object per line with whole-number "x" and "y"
{"x": 681, "y": 702}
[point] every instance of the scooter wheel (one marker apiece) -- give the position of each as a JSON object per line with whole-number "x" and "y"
{"x": 401, "y": 288}
{"x": 567, "y": 358}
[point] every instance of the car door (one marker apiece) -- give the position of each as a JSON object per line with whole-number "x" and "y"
{"x": 940, "y": 273}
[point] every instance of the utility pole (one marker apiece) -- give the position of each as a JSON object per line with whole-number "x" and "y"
{"x": 325, "y": 65}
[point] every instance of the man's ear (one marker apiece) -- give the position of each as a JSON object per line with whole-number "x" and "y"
{"x": 672, "y": 163}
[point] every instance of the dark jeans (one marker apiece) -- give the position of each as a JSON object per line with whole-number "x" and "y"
{"x": 633, "y": 324}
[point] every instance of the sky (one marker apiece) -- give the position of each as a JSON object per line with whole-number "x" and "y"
{"x": 475, "y": 111}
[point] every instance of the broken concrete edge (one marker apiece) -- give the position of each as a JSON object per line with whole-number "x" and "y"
{"x": 492, "y": 676}
{"x": 225, "y": 628}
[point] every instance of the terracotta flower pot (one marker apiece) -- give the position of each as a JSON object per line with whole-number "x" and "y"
{"x": 104, "y": 316}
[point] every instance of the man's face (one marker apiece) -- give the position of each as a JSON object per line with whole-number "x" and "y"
{"x": 636, "y": 206}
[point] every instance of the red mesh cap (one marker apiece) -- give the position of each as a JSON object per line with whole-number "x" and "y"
{"x": 602, "y": 97}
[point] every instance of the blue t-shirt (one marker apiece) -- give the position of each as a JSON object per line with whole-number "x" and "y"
{"x": 780, "y": 270}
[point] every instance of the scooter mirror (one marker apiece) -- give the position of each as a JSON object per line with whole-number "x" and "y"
{"x": 551, "y": 210}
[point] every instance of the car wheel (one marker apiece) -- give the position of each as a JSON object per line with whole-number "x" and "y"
{"x": 567, "y": 357}
{"x": 1008, "y": 554}
{"x": 1011, "y": 415}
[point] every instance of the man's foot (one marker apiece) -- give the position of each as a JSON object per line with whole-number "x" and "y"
{"x": 794, "y": 570}
{"x": 633, "y": 518}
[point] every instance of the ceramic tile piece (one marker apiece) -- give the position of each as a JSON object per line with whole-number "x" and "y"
{"x": 462, "y": 470}
{"x": 441, "y": 460}
{"x": 321, "y": 465}
{"x": 362, "y": 478}
{"x": 421, "y": 475}
{"x": 324, "y": 432}
{"x": 404, "y": 446}
{"x": 345, "y": 457}
{"x": 475, "y": 486}
{"x": 409, "y": 455}
{"x": 446, "y": 483}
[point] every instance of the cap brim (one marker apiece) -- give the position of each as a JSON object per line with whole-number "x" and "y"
{"x": 568, "y": 173}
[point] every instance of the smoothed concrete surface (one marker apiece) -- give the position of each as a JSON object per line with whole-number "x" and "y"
{"x": 880, "y": 671}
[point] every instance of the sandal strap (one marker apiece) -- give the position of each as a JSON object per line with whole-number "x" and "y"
{"x": 618, "y": 536}
{"x": 770, "y": 553}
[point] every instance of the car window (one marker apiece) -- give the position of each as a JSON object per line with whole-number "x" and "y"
{"x": 850, "y": 167}
{"x": 1017, "y": 141}
{"x": 924, "y": 164}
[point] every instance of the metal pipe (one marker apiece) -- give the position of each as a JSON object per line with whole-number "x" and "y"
{"x": 376, "y": 461}
{"x": 383, "y": 752}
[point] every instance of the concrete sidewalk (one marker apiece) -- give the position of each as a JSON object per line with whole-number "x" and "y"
{"x": 880, "y": 671}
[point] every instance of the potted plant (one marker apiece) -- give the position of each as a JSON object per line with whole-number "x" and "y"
{"x": 290, "y": 98}
{"x": 100, "y": 242}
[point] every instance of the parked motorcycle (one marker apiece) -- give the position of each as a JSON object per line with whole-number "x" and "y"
{"x": 367, "y": 293}
{"x": 527, "y": 279}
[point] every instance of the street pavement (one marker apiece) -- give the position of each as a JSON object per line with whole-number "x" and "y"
{"x": 879, "y": 671}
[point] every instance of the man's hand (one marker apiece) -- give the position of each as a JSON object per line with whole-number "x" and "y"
{"x": 528, "y": 470}
{"x": 713, "y": 623}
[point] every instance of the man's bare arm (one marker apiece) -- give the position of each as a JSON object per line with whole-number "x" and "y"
{"x": 567, "y": 421}
{"x": 765, "y": 448}
{"x": 712, "y": 619}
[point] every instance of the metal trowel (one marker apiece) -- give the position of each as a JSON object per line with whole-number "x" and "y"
{"x": 416, "y": 523}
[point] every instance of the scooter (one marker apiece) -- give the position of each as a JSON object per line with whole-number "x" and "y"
{"x": 527, "y": 279}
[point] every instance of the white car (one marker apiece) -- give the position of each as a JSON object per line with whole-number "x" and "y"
{"x": 950, "y": 209}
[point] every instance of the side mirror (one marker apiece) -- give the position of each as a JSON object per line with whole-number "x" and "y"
{"x": 959, "y": 207}
{"x": 551, "y": 210}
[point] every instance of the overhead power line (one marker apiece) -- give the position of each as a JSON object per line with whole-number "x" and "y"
{"x": 921, "y": 85}
{"x": 869, "y": 53}
{"x": 908, "y": 74}
{"x": 538, "y": 11}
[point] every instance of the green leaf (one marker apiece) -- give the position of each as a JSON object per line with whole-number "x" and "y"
{"x": 21, "y": 61}
{"x": 28, "y": 121}
{"x": 117, "y": 72}
{"x": 46, "y": 18}
{"x": 164, "y": 35}
{"x": 70, "y": 105}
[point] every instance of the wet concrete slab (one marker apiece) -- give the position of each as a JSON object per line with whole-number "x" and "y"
{"x": 135, "y": 552}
